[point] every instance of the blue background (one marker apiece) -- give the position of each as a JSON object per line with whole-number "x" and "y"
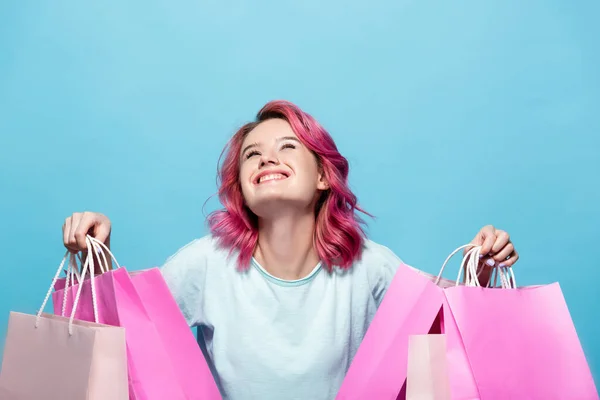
{"x": 452, "y": 114}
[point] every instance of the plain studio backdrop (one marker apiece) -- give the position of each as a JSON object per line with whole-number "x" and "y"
{"x": 453, "y": 114}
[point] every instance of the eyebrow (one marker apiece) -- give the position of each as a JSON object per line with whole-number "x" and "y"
{"x": 280, "y": 139}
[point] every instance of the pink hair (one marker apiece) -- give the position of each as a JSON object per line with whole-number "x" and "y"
{"x": 338, "y": 236}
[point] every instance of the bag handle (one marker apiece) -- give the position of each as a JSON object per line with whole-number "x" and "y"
{"x": 99, "y": 246}
{"x": 74, "y": 269}
{"x": 466, "y": 258}
{"x": 88, "y": 265}
{"x": 470, "y": 264}
{"x": 58, "y": 271}
{"x": 507, "y": 277}
{"x": 72, "y": 273}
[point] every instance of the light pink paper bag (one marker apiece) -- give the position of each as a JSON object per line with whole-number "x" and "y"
{"x": 165, "y": 361}
{"x": 56, "y": 358}
{"x": 427, "y": 375}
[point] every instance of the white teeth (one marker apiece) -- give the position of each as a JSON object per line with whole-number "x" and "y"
{"x": 271, "y": 177}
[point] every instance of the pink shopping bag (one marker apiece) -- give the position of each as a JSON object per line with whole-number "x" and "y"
{"x": 378, "y": 369}
{"x": 414, "y": 304}
{"x": 186, "y": 356}
{"x": 521, "y": 343}
{"x": 165, "y": 361}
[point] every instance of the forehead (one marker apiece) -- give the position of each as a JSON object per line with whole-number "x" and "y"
{"x": 268, "y": 131}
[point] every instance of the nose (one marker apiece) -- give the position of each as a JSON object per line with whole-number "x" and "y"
{"x": 267, "y": 158}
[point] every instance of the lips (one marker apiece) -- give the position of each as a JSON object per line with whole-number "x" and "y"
{"x": 270, "y": 176}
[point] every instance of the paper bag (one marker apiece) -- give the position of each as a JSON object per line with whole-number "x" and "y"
{"x": 521, "y": 343}
{"x": 56, "y": 358}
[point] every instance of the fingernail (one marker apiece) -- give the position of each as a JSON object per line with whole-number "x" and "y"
{"x": 481, "y": 256}
{"x": 490, "y": 262}
{"x": 501, "y": 265}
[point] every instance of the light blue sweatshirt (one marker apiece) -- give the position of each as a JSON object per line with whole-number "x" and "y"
{"x": 266, "y": 338}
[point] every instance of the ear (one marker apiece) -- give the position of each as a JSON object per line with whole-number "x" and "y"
{"x": 322, "y": 184}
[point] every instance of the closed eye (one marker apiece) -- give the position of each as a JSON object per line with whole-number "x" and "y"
{"x": 288, "y": 146}
{"x": 252, "y": 154}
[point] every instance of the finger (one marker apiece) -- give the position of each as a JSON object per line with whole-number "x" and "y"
{"x": 478, "y": 239}
{"x": 513, "y": 258}
{"x": 72, "y": 243}
{"x": 504, "y": 253}
{"x": 502, "y": 239}
{"x": 489, "y": 237}
{"x": 489, "y": 261}
{"x": 85, "y": 224}
{"x": 66, "y": 232}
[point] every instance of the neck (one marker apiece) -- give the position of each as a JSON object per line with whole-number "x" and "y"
{"x": 285, "y": 246}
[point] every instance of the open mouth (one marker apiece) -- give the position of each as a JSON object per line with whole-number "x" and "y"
{"x": 270, "y": 177}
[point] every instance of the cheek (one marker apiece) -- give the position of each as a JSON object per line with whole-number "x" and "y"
{"x": 310, "y": 169}
{"x": 246, "y": 169}
{"x": 244, "y": 177}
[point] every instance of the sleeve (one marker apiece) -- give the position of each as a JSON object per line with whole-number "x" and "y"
{"x": 185, "y": 275}
{"x": 382, "y": 270}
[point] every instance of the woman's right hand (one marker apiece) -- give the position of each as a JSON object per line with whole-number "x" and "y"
{"x": 80, "y": 224}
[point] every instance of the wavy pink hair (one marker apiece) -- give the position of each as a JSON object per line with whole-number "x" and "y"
{"x": 338, "y": 236}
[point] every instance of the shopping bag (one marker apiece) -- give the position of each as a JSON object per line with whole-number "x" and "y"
{"x": 141, "y": 302}
{"x": 410, "y": 307}
{"x": 414, "y": 304}
{"x": 185, "y": 354}
{"x": 52, "y": 357}
{"x": 427, "y": 371}
{"x": 520, "y": 342}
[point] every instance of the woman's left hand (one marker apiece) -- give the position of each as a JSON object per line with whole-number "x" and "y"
{"x": 496, "y": 248}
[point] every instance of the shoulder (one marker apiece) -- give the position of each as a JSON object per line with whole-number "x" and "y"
{"x": 186, "y": 273}
{"x": 193, "y": 259}
{"x": 378, "y": 265}
{"x": 376, "y": 253}
{"x": 197, "y": 249}
{"x": 377, "y": 261}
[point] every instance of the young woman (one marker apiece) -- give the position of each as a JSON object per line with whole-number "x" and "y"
{"x": 285, "y": 286}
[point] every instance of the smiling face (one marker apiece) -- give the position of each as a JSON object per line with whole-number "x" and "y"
{"x": 277, "y": 171}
